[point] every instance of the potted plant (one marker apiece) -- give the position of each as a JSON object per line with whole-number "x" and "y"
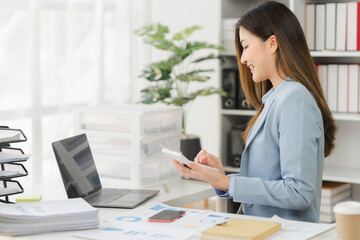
{"x": 170, "y": 78}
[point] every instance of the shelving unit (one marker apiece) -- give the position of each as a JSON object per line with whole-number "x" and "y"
{"x": 11, "y": 166}
{"x": 238, "y": 112}
{"x": 343, "y": 174}
{"x": 316, "y": 54}
{"x": 336, "y": 115}
{"x": 343, "y": 164}
{"x": 332, "y": 54}
{"x": 126, "y": 140}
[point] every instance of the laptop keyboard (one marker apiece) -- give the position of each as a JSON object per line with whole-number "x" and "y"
{"x": 105, "y": 196}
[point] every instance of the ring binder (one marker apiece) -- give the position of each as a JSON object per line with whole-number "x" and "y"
{"x": 11, "y": 168}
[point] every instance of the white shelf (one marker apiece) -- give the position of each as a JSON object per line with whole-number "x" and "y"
{"x": 334, "y": 54}
{"x": 238, "y": 112}
{"x": 330, "y": 174}
{"x": 336, "y": 174}
{"x": 317, "y": 54}
{"x": 337, "y": 116}
{"x": 347, "y": 116}
{"x": 351, "y": 175}
{"x": 232, "y": 169}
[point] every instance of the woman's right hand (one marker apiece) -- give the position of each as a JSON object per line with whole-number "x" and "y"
{"x": 206, "y": 158}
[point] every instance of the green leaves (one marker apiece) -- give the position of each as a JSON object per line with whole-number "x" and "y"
{"x": 184, "y": 34}
{"x": 194, "y": 46}
{"x": 202, "y": 92}
{"x": 166, "y": 86}
{"x": 180, "y": 101}
{"x": 156, "y": 30}
{"x": 208, "y": 57}
{"x": 154, "y": 35}
{"x": 156, "y": 72}
{"x": 208, "y": 91}
{"x": 194, "y": 76}
{"x": 154, "y": 94}
{"x": 161, "y": 70}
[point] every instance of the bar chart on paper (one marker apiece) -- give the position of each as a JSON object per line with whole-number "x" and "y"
{"x": 134, "y": 224}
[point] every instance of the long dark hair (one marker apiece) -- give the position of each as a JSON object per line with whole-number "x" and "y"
{"x": 293, "y": 56}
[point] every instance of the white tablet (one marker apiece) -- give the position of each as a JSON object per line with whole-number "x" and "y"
{"x": 182, "y": 159}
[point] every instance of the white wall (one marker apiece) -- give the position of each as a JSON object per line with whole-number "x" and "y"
{"x": 203, "y": 115}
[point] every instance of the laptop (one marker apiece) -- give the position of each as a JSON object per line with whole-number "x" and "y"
{"x": 81, "y": 179}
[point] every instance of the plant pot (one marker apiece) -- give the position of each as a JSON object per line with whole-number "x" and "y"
{"x": 190, "y": 145}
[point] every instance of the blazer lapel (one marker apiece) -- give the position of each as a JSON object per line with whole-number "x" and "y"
{"x": 265, "y": 111}
{"x": 259, "y": 123}
{"x": 253, "y": 133}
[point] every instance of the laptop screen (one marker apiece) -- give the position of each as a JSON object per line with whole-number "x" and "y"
{"x": 77, "y": 166}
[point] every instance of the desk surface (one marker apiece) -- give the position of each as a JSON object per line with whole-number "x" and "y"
{"x": 106, "y": 215}
{"x": 181, "y": 192}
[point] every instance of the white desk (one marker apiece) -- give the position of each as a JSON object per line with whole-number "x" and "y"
{"x": 181, "y": 192}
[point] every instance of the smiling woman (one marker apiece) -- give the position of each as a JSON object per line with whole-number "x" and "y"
{"x": 260, "y": 57}
{"x": 292, "y": 130}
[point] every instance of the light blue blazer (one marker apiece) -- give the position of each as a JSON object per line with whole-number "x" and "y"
{"x": 282, "y": 163}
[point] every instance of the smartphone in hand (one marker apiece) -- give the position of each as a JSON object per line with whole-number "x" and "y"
{"x": 166, "y": 216}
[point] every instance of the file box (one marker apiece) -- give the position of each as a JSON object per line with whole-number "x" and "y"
{"x": 139, "y": 121}
{"x": 126, "y": 140}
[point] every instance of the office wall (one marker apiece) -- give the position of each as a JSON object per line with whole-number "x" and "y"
{"x": 202, "y": 114}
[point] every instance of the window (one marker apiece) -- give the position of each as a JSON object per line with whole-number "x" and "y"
{"x": 57, "y": 55}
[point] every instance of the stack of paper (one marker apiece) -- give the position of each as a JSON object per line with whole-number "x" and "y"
{"x": 8, "y": 174}
{"x": 332, "y": 193}
{"x": 9, "y": 136}
{"x": 13, "y": 157}
{"x": 9, "y": 190}
{"x": 50, "y": 216}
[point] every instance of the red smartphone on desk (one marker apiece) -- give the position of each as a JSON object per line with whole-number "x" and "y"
{"x": 166, "y": 216}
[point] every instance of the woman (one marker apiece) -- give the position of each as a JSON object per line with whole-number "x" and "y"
{"x": 292, "y": 130}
